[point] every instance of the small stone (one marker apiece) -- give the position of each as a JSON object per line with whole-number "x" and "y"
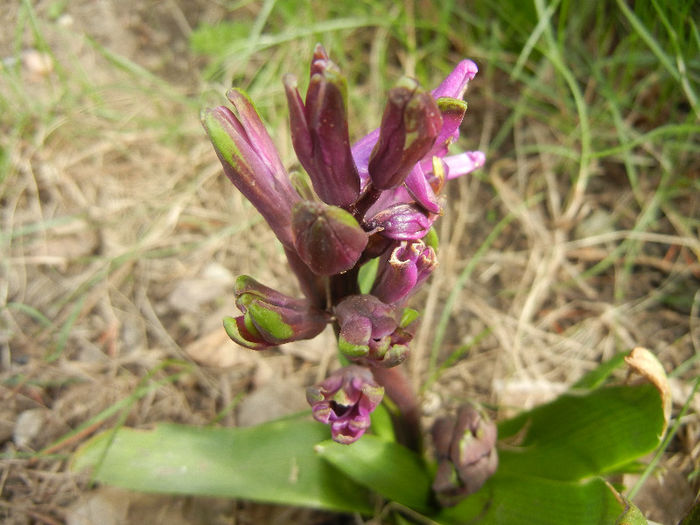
{"x": 28, "y": 426}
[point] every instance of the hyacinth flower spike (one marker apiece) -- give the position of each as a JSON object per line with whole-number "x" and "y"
{"x": 376, "y": 199}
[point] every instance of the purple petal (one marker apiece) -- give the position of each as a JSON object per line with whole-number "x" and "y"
{"x": 464, "y": 163}
{"x": 417, "y": 185}
{"x": 361, "y": 152}
{"x": 249, "y": 168}
{"x": 410, "y": 125}
{"x": 257, "y": 134}
{"x": 456, "y": 82}
{"x": 402, "y": 222}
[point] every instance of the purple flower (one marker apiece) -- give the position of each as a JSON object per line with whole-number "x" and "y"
{"x": 371, "y": 332}
{"x": 410, "y": 125}
{"x": 271, "y": 318}
{"x": 401, "y": 222}
{"x": 403, "y": 269}
{"x": 466, "y": 451}
{"x": 425, "y": 179}
{"x": 320, "y": 131}
{"x": 345, "y": 400}
{"x": 375, "y": 199}
{"x": 251, "y": 162}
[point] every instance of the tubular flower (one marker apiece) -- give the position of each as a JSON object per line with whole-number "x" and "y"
{"x": 466, "y": 451}
{"x": 320, "y": 131}
{"x": 271, "y": 318}
{"x": 410, "y": 125}
{"x": 371, "y": 332}
{"x": 345, "y": 400}
{"x": 422, "y": 180}
{"x": 403, "y": 269}
{"x": 251, "y": 162}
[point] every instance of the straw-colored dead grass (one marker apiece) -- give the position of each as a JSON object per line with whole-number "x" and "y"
{"x": 121, "y": 241}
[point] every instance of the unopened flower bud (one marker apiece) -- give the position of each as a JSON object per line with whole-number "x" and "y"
{"x": 466, "y": 452}
{"x": 371, "y": 332}
{"x": 410, "y": 125}
{"x": 345, "y": 401}
{"x": 320, "y": 131}
{"x": 271, "y": 318}
{"x": 327, "y": 238}
{"x": 251, "y": 162}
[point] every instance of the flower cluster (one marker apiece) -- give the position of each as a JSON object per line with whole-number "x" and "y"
{"x": 376, "y": 199}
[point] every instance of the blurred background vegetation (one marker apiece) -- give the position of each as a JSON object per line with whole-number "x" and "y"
{"x": 119, "y": 238}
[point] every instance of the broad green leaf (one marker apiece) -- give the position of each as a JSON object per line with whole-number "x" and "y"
{"x": 522, "y": 500}
{"x": 274, "y": 462}
{"x": 577, "y": 436}
{"x": 386, "y": 467}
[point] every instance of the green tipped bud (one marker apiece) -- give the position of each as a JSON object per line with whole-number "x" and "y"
{"x": 327, "y": 238}
{"x": 271, "y": 318}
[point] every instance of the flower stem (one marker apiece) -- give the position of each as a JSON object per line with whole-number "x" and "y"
{"x": 407, "y": 420}
{"x": 369, "y": 197}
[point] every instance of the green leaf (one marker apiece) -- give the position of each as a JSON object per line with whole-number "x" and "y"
{"x": 367, "y": 274}
{"x": 385, "y": 467}
{"x": 408, "y": 316}
{"x": 381, "y": 423}
{"x": 577, "y": 436}
{"x": 274, "y": 462}
{"x": 522, "y": 500}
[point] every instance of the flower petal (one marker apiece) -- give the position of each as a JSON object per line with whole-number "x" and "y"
{"x": 456, "y": 82}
